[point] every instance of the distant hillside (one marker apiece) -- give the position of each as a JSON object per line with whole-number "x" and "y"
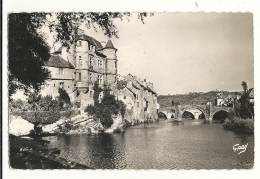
{"x": 191, "y": 98}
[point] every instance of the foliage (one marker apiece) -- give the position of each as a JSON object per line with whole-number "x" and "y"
{"x": 97, "y": 90}
{"x": 27, "y": 47}
{"x": 175, "y": 103}
{"x": 35, "y": 102}
{"x": 64, "y": 96}
{"x": 43, "y": 117}
{"x": 197, "y": 98}
{"x": 239, "y": 125}
{"x": 243, "y": 107}
{"x": 108, "y": 107}
{"x": 27, "y": 52}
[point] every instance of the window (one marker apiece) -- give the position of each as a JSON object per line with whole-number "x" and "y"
{"x": 90, "y": 93}
{"x": 79, "y": 76}
{"x": 90, "y": 62}
{"x": 61, "y": 71}
{"x": 91, "y": 48}
{"x": 80, "y": 61}
{"x": 61, "y": 85}
{"x": 99, "y": 79}
{"x": 79, "y": 43}
{"x": 90, "y": 77}
{"x": 115, "y": 65}
{"x": 54, "y": 84}
{"x": 136, "y": 96}
{"x": 99, "y": 64}
{"x": 137, "y": 104}
{"x": 124, "y": 97}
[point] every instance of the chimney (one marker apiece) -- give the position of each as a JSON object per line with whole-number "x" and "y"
{"x": 129, "y": 84}
{"x": 64, "y": 53}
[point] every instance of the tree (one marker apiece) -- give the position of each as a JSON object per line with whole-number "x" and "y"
{"x": 64, "y": 96}
{"x": 109, "y": 106}
{"x": 28, "y": 50}
{"x": 246, "y": 108}
{"x": 175, "y": 103}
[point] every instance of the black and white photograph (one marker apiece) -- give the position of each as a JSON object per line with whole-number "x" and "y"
{"x": 130, "y": 90}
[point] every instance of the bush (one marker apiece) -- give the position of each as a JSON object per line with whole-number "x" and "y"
{"x": 69, "y": 114}
{"x": 43, "y": 117}
{"x": 240, "y": 125}
{"x": 64, "y": 96}
{"x": 103, "y": 111}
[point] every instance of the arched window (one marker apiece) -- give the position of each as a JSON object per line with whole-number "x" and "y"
{"x": 124, "y": 97}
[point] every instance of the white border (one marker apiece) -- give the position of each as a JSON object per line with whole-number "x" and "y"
{"x": 131, "y": 5}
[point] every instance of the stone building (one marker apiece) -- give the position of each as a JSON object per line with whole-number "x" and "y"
{"x": 88, "y": 61}
{"x": 76, "y": 70}
{"x": 139, "y": 97}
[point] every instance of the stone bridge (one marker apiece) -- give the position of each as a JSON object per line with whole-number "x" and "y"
{"x": 208, "y": 110}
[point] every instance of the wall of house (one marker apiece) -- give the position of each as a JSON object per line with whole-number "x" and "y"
{"x": 67, "y": 73}
{"x": 110, "y": 53}
{"x": 53, "y": 86}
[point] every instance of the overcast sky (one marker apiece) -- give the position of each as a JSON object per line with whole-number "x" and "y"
{"x": 186, "y": 52}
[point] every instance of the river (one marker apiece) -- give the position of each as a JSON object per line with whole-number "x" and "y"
{"x": 166, "y": 144}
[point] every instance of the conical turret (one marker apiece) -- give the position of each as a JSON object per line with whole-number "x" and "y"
{"x": 110, "y": 45}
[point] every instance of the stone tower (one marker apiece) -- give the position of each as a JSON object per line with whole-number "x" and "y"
{"x": 110, "y": 73}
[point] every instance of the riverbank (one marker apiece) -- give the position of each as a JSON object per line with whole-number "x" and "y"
{"x": 34, "y": 153}
{"x": 239, "y": 125}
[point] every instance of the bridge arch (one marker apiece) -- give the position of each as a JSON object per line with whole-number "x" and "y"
{"x": 166, "y": 113}
{"x": 162, "y": 114}
{"x": 222, "y": 116}
{"x": 187, "y": 113}
{"x": 191, "y": 107}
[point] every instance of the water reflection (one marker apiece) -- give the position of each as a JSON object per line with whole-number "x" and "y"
{"x": 185, "y": 122}
{"x": 167, "y": 144}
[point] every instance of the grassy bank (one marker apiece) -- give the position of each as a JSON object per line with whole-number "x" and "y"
{"x": 240, "y": 125}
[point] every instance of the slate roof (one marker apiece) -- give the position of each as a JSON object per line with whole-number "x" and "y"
{"x": 109, "y": 44}
{"x": 101, "y": 54}
{"x": 90, "y": 40}
{"x": 135, "y": 86}
{"x": 57, "y": 61}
